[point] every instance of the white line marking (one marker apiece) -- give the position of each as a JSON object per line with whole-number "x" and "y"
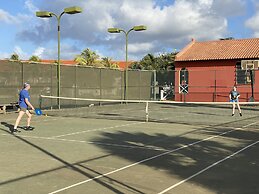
{"x": 250, "y": 124}
{"x": 90, "y": 142}
{"x": 139, "y": 162}
{"x": 98, "y": 129}
{"x": 207, "y": 168}
{"x": 109, "y": 144}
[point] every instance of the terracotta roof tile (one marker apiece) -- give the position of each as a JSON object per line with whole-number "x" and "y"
{"x": 220, "y": 49}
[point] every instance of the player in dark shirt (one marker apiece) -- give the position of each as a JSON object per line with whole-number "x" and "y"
{"x": 233, "y": 97}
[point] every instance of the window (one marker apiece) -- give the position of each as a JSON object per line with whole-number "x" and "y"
{"x": 244, "y": 75}
{"x": 184, "y": 80}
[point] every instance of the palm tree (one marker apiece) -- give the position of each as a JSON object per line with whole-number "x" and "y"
{"x": 161, "y": 62}
{"x": 15, "y": 57}
{"x": 149, "y": 62}
{"x": 107, "y": 62}
{"x": 87, "y": 57}
{"x": 80, "y": 60}
{"x": 34, "y": 58}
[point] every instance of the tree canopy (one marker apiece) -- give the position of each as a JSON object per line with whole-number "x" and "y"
{"x": 87, "y": 58}
{"x": 150, "y": 62}
{"x": 34, "y": 58}
{"x": 15, "y": 57}
{"x": 91, "y": 58}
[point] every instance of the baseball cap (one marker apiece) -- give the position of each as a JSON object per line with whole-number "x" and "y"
{"x": 25, "y": 85}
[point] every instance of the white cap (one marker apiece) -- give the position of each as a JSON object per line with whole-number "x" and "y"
{"x": 25, "y": 85}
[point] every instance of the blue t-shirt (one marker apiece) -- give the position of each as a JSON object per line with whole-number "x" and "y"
{"x": 234, "y": 94}
{"x": 23, "y": 94}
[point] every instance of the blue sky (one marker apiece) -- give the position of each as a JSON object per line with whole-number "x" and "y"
{"x": 171, "y": 25}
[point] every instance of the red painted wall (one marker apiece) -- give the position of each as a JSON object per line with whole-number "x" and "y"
{"x": 211, "y": 81}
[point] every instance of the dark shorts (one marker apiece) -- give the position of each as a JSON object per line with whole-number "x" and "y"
{"x": 23, "y": 109}
{"x": 234, "y": 100}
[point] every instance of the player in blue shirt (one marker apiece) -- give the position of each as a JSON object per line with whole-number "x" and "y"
{"x": 233, "y": 97}
{"x": 24, "y": 103}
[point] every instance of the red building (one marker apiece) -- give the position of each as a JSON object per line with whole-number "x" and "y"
{"x": 207, "y": 71}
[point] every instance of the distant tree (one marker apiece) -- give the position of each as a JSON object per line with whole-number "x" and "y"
{"x": 80, "y": 60}
{"x": 87, "y": 57}
{"x": 150, "y": 62}
{"x": 166, "y": 61}
{"x": 107, "y": 62}
{"x": 136, "y": 65}
{"x": 15, "y": 57}
{"x": 34, "y": 58}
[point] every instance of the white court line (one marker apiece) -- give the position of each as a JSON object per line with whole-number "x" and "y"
{"x": 250, "y": 124}
{"x": 139, "y": 162}
{"x": 98, "y": 129}
{"x": 101, "y": 143}
{"x": 207, "y": 168}
{"x": 34, "y": 119}
{"x": 90, "y": 142}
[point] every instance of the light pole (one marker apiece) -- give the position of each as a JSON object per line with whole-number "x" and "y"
{"x": 47, "y": 14}
{"x": 118, "y": 30}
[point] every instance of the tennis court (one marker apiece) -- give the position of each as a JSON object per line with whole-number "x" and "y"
{"x": 182, "y": 149}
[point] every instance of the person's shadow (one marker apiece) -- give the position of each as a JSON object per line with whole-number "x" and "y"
{"x": 9, "y": 126}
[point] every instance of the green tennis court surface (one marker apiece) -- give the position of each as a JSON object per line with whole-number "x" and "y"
{"x": 194, "y": 151}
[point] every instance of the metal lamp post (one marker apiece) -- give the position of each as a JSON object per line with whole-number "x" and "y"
{"x": 47, "y": 14}
{"x": 118, "y": 30}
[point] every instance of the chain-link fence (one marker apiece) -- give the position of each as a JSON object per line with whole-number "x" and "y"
{"x": 81, "y": 82}
{"x": 100, "y": 83}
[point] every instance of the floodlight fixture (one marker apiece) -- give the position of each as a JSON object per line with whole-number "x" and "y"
{"x": 43, "y": 14}
{"x": 119, "y": 30}
{"x": 47, "y": 14}
{"x": 114, "y": 30}
{"x": 73, "y": 10}
{"x": 139, "y": 28}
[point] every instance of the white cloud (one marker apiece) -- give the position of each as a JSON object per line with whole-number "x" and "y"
{"x": 4, "y": 55}
{"x": 140, "y": 47}
{"x": 17, "y": 20}
{"x": 229, "y": 7}
{"x": 19, "y": 51}
{"x": 253, "y": 24}
{"x": 170, "y": 26}
{"x": 30, "y": 6}
{"x": 23, "y": 55}
{"x": 7, "y": 18}
{"x": 39, "y": 51}
{"x": 67, "y": 52}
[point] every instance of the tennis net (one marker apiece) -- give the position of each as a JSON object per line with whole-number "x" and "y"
{"x": 200, "y": 113}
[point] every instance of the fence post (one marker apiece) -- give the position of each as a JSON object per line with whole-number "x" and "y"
{"x": 215, "y": 86}
{"x": 100, "y": 83}
{"x": 22, "y": 73}
{"x": 154, "y": 85}
{"x": 75, "y": 84}
{"x": 139, "y": 85}
{"x": 122, "y": 85}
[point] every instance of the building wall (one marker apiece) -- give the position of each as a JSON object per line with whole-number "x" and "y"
{"x": 211, "y": 81}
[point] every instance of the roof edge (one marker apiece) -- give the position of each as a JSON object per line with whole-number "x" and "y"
{"x": 185, "y": 49}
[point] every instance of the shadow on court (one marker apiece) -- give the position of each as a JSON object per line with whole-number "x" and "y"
{"x": 234, "y": 176}
{"x": 11, "y": 126}
{"x": 237, "y": 175}
{"x": 76, "y": 167}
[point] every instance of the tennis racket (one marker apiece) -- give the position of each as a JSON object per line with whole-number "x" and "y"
{"x": 38, "y": 111}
